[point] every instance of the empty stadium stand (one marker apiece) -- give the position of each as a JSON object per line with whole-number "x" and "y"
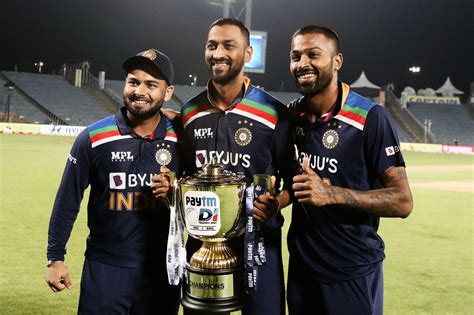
{"x": 20, "y": 110}
{"x": 449, "y": 122}
{"x": 57, "y": 96}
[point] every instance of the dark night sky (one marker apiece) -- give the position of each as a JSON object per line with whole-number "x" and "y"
{"x": 383, "y": 37}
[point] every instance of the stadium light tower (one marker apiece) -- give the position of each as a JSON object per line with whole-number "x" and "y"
{"x": 39, "y": 65}
{"x": 10, "y": 88}
{"x": 193, "y": 77}
{"x": 415, "y": 69}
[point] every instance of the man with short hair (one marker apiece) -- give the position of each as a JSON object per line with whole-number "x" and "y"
{"x": 353, "y": 173}
{"x": 124, "y": 270}
{"x": 246, "y": 130}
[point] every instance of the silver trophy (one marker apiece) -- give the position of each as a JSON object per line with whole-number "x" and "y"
{"x": 211, "y": 202}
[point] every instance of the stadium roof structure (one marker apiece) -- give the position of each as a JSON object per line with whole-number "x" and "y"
{"x": 363, "y": 82}
{"x": 364, "y": 87}
{"x": 448, "y": 89}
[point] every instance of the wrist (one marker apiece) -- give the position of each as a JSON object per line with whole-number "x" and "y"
{"x": 52, "y": 262}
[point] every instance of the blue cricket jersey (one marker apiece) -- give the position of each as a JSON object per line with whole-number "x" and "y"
{"x": 348, "y": 147}
{"x": 252, "y": 137}
{"x": 128, "y": 226}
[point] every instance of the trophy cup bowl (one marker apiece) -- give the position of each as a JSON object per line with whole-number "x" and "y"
{"x": 211, "y": 204}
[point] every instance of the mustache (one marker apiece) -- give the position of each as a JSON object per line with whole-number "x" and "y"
{"x": 134, "y": 97}
{"x": 217, "y": 60}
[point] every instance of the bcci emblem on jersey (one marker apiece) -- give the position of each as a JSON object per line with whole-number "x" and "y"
{"x": 163, "y": 157}
{"x": 243, "y": 136}
{"x": 330, "y": 139}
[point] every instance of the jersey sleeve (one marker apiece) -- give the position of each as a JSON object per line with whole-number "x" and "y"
{"x": 283, "y": 153}
{"x": 69, "y": 196}
{"x": 382, "y": 148}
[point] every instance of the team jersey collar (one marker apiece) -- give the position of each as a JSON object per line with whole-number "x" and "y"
{"x": 343, "y": 92}
{"x": 125, "y": 129}
{"x": 243, "y": 92}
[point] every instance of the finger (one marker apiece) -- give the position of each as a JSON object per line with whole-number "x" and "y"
{"x": 304, "y": 200}
{"x": 260, "y": 216}
{"x": 58, "y": 285}
{"x": 67, "y": 281}
{"x": 302, "y": 194}
{"x": 300, "y": 178}
{"x": 300, "y": 186}
{"x": 272, "y": 185}
{"x": 306, "y": 168}
{"x": 164, "y": 169}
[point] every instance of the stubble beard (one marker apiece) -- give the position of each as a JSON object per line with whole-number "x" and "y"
{"x": 223, "y": 79}
{"x": 142, "y": 113}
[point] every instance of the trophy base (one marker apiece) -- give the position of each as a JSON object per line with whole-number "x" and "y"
{"x": 216, "y": 291}
{"x": 192, "y": 306}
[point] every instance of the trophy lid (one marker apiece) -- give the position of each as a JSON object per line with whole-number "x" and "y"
{"x": 214, "y": 174}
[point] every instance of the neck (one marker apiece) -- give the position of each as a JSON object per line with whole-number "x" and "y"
{"x": 143, "y": 126}
{"x": 321, "y": 103}
{"x": 224, "y": 94}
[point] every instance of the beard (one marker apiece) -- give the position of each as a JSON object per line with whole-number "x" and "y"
{"x": 324, "y": 78}
{"x": 143, "y": 113}
{"x": 224, "y": 78}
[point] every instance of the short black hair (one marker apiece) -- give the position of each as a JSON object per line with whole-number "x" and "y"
{"x": 319, "y": 29}
{"x": 230, "y": 21}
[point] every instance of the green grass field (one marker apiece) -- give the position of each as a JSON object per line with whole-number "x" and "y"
{"x": 428, "y": 270}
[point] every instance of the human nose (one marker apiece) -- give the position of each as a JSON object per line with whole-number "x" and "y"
{"x": 139, "y": 89}
{"x": 303, "y": 62}
{"x": 219, "y": 52}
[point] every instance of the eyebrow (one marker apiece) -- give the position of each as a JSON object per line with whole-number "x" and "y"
{"x": 306, "y": 50}
{"x": 225, "y": 41}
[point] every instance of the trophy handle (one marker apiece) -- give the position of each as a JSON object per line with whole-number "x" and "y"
{"x": 170, "y": 200}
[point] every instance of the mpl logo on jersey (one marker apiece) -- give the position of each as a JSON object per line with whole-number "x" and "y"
{"x": 202, "y": 212}
{"x": 203, "y": 133}
{"x": 121, "y": 156}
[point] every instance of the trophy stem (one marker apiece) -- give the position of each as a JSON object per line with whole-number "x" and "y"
{"x": 214, "y": 253}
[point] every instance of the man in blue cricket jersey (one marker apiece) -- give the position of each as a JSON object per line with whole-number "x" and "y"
{"x": 124, "y": 270}
{"x": 353, "y": 173}
{"x": 246, "y": 130}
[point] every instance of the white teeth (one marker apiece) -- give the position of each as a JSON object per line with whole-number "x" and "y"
{"x": 307, "y": 76}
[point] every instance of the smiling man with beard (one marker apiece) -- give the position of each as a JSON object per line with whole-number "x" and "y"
{"x": 353, "y": 173}
{"x": 124, "y": 270}
{"x": 246, "y": 130}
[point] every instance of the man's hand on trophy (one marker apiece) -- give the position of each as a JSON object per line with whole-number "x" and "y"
{"x": 161, "y": 183}
{"x": 266, "y": 205}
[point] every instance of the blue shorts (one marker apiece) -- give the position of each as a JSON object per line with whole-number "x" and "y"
{"x": 363, "y": 295}
{"x": 108, "y": 289}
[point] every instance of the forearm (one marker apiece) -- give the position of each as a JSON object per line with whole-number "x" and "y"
{"x": 386, "y": 202}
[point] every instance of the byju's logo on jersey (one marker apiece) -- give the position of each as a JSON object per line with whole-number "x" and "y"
{"x": 203, "y": 133}
{"x": 117, "y": 180}
{"x": 222, "y": 157}
{"x": 121, "y": 156}
{"x": 124, "y": 180}
{"x": 392, "y": 150}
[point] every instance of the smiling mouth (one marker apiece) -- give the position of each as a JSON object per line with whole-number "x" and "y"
{"x": 305, "y": 77}
{"x": 139, "y": 102}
